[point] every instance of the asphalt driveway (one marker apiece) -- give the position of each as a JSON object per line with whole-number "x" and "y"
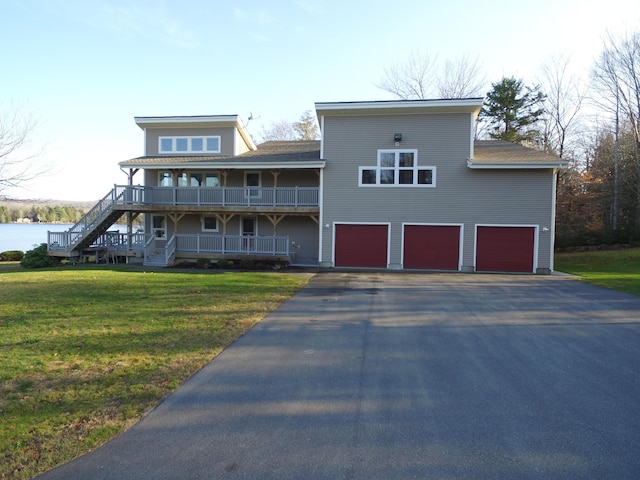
{"x": 396, "y": 376}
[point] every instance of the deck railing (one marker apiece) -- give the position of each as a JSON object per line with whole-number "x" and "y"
{"x": 218, "y": 196}
{"x": 232, "y": 244}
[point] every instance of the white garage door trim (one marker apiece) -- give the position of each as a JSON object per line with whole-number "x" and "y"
{"x": 460, "y": 248}
{"x": 333, "y": 240}
{"x": 525, "y": 225}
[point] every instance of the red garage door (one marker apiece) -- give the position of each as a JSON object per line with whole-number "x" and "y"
{"x": 505, "y": 249}
{"x": 432, "y": 246}
{"x": 361, "y": 245}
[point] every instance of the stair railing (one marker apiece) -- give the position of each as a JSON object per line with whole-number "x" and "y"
{"x": 90, "y": 220}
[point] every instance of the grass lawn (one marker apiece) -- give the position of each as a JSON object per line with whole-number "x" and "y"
{"x": 615, "y": 269}
{"x": 86, "y": 351}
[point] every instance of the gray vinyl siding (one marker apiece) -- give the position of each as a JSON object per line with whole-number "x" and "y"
{"x": 461, "y": 196}
{"x": 227, "y": 137}
{"x": 302, "y": 232}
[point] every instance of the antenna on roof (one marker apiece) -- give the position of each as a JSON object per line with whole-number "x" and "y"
{"x": 251, "y": 117}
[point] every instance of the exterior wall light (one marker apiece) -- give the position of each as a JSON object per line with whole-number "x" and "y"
{"x": 397, "y": 137}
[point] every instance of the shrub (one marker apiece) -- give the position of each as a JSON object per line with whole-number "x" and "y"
{"x": 37, "y": 258}
{"x": 203, "y": 263}
{"x": 223, "y": 263}
{"x": 246, "y": 263}
{"x": 11, "y": 256}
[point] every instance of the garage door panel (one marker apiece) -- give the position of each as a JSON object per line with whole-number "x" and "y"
{"x": 361, "y": 245}
{"x": 505, "y": 249}
{"x": 434, "y": 247}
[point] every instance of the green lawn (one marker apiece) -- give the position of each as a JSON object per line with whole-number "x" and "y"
{"x": 86, "y": 351}
{"x": 615, "y": 269}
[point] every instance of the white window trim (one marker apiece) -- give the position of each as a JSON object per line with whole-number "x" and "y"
{"x": 248, "y": 189}
{"x": 189, "y": 141}
{"x": 161, "y": 174}
{"x": 416, "y": 169}
{"x": 217, "y": 229}
{"x": 154, "y": 230}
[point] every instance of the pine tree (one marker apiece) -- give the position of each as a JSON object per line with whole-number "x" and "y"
{"x": 513, "y": 110}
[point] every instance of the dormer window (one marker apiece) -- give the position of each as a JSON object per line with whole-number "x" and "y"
{"x": 189, "y": 144}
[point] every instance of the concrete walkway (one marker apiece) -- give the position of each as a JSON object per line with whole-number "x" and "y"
{"x": 397, "y": 376}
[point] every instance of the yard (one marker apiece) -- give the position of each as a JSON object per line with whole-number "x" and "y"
{"x": 87, "y": 351}
{"x": 615, "y": 269}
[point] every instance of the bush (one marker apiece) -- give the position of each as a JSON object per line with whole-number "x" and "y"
{"x": 11, "y": 256}
{"x": 246, "y": 263}
{"x": 37, "y": 258}
{"x": 203, "y": 263}
{"x": 223, "y": 263}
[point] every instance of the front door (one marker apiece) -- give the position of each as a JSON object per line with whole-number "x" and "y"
{"x": 248, "y": 233}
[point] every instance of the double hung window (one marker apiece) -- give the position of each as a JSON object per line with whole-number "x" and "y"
{"x": 397, "y": 168}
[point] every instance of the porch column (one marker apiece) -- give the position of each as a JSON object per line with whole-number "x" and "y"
{"x": 130, "y": 215}
{"x": 275, "y": 174}
{"x": 275, "y": 220}
{"x": 176, "y": 217}
{"x": 223, "y": 174}
{"x": 224, "y": 218}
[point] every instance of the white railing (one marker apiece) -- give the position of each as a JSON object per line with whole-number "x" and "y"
{"x": 119, "y": 241}
{"x": 170, "y": 250}
{"x": 218, "y": 196}
{"x": 232, "y": 244}
{"x": 61, "y": 241}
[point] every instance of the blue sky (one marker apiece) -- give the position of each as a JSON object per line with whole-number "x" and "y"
{"x": 84, "y": 68}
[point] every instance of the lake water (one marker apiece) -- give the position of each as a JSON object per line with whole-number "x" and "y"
{"x": 25, "y": 236}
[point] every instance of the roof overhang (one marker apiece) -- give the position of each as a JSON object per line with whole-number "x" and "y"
{"x": 197, "y": 121}
{"x": 514, "y": 165}
{"x": 463, "y": 105}
{"x": 220, "y": 165}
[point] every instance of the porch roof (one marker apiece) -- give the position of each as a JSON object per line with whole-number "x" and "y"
{"x": 500, "y": 154}
{"x": 274, "y": 154}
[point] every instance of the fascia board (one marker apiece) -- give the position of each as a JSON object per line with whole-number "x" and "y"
{"x": 470, "y": 105}
{"x": 226, "y": 165}
{"x": 514, "y": 165}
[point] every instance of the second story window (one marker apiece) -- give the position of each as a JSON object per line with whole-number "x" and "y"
{"x": 189, "y": 144}
{"x": 397, "y": 168}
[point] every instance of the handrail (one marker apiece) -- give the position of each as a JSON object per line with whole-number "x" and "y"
{"x": 218, "y": 196}
{"x": 170, "y": 250}
{"x": 85, "y": 225}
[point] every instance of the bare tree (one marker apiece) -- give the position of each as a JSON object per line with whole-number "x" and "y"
{"x": 461, "y": 78}
{"x": 18, "y": 163}
{"x": 411, "y": 80}
{"x": 564, "y": 98}
{"x": 306, "y": 127}
{"x": 281, "y": 130}
{"x": 617, "y": 76}
{"x": 422, "y": 77}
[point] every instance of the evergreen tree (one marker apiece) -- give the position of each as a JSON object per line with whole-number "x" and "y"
{"x": 513, "y": 110}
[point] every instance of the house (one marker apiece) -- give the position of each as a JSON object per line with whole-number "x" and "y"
{"x": 391, "y": 184}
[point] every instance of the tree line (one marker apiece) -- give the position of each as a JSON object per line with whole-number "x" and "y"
{"x": 592, "y": 122}
{"x": 41, "y": 214}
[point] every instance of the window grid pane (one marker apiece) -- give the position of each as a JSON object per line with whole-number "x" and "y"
{"x": 197, "y": 144}
{"x": 406, "y": 177}
{"x": 213, "y": 144}
{"x": 425, "y": 177}
{"x": 387, "y": 176}
{"x": 406, "y": 159}
{"x": 166, "y": 144}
